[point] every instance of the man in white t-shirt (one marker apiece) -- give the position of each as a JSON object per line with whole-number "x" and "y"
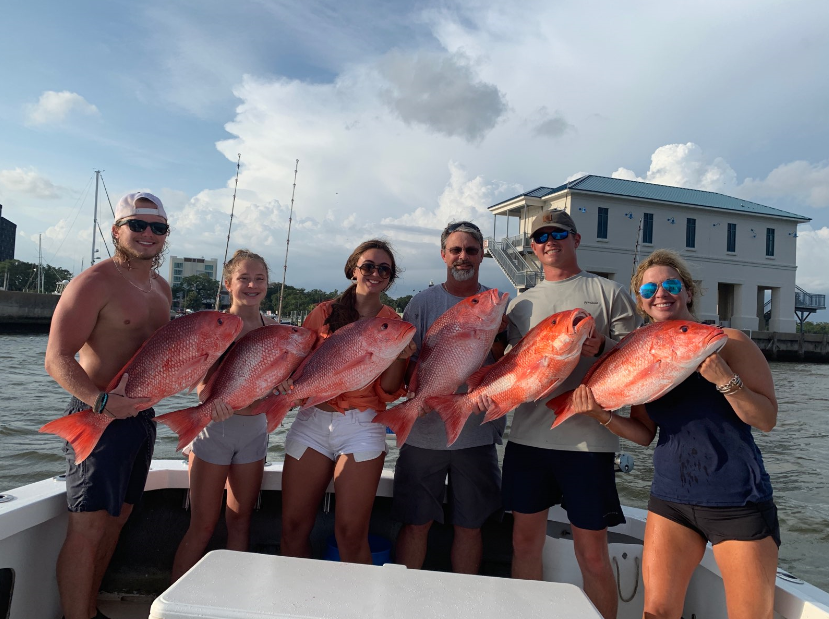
{"x": 573, "y": 464}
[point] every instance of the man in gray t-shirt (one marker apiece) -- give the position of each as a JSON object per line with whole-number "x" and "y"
{"x": 572, "y": 464}
{"x": 424, "y": 462}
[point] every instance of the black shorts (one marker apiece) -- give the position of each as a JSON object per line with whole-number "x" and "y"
{"x": 746, "y": 523}
{"x": 583, "y": 482}
{"x": 420, "y": 485}
{"x": 116, "y": 470}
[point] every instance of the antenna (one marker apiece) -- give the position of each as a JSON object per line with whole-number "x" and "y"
{"x": 287, "y": 243}
{"x": 230, "y": 225}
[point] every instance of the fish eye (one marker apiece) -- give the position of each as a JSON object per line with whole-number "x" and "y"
{"x": 474, "y": 300}
{"x": 220, "y": 321}
{"x": 385, "y": 326}
{"x": 552, "y": 322}
{"x": 684, "y": 328}
{"x": 294, "y": 329}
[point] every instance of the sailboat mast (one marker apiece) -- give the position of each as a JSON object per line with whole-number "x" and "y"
{"x": 287, "y": 244}
{"x": 95, "y": 217}
{"x": 227, "y": 245}
{"x": 39, "y": 264}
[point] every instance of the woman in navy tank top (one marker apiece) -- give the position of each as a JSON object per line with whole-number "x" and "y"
{"x": 709, "y": 483}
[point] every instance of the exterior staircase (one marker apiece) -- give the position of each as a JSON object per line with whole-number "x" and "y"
{"x": 512, "y": 263}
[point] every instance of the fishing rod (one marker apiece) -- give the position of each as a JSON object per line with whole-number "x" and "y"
{"x": 636, "y": 249}
{"x": 287, "y": 243}
{"x": 227, "y": 245}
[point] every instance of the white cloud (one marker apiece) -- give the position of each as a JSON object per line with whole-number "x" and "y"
{"x": 812, "y": 258}
{"x": 28, "y": 181}
{"x": 54, "y": 107}
{"x": 685, "y": 165}
{"x": 799, "y": 180}
{"x": 441, "y": 92}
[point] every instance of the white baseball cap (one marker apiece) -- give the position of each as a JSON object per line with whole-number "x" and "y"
{"x": 127, "y": 207}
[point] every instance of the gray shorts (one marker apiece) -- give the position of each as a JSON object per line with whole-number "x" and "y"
{"x": 420, "y": 485}
{"x": 240, "y": 439}
{"x": 116, "y": 470}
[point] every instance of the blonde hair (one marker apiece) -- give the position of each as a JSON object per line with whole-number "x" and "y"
{"x": 238, "y": 257}
{"x": 665, "y": 258}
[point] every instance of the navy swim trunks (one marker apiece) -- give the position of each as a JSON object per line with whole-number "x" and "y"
{"x": 116, "y": 470}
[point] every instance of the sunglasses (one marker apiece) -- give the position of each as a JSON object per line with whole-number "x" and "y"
{"x": 461, "y": 224}
{"x": 367, "y": 268}
{"x": 139, "y": 225}
{"x": 557, "y": 235}
{"x": 671, "y": 286}
{"x": 470, "y": 251}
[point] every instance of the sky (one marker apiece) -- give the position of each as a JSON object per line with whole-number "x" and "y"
{"x": 404, "y": 116}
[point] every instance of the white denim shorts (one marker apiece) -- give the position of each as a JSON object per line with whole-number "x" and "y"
{"x": 333, "y": 434}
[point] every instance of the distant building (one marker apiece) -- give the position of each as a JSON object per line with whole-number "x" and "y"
{"x": 8, "y": 232}
{"x": 742, "y": 253}
{"x": 185, "y": 267}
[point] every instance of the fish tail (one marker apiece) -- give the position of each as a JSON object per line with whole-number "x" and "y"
{"x": 454, "y": 411}
{"x": 275, "y": 410}
{"x": 82, "y": 430}
{"x": 562, "y": 406}
{"x": 400, "y": 419}
{"x": 187, "y": 423}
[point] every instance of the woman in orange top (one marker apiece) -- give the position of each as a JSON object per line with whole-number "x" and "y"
{"x": 338, "y": 438}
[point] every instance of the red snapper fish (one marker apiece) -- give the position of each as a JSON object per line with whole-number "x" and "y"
{"x": 646, "y": 364}
{"x": 261, "y": 359}
{"x": 349, "y": 359}
{"x": 453, "y": 348}
{"x": 531, "y": 370}
{"x": 174, "y": 358}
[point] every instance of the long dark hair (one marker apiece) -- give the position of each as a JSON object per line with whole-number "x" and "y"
{"x": 344, "y": 307}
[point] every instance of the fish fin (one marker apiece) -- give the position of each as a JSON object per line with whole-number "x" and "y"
{"x": 454, "y": 410}
{"x": 562, "y": 406}
{"x": 494, "y": 413}
{"x": 187, "y": 423}
{"x": 414, "y": 382}
{"x": 400, "y": 419}
{"x": 82, "y": 430}
{"x": 275, "y": 408}
{"x": 477, "y": 376}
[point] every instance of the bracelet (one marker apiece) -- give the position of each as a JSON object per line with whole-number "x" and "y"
{"x": 609, "y": 419}
{"x": 100, "y": 402}
{"x": 733, "y": 385}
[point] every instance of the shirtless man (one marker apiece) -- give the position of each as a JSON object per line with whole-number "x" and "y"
{"x": 107, "y": 313}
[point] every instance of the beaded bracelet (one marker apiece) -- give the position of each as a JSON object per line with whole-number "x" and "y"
{"x": 733, "y": 385}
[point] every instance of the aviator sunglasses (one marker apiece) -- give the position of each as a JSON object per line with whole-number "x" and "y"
{"x": 557, "y": 235}
{"x": 139, "y": 225}
{"x": 367, "y": 268}
{"x": 671, "y": 286}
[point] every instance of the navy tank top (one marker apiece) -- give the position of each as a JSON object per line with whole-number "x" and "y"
{"x": 706, "y": 454}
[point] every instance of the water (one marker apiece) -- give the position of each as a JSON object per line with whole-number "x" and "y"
{"x": 796, "y": 452}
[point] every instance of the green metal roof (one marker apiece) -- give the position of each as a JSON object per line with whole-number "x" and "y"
{"x": 662, "y": 193}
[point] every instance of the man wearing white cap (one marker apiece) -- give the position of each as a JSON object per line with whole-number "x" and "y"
{"x": 106, "y": 313}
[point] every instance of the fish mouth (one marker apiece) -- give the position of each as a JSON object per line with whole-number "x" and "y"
{"x": 715, "y": 340}
{"x": 578, "y": 317}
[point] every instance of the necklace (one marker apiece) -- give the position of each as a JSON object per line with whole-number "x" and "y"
{"x": 134, "y": 285}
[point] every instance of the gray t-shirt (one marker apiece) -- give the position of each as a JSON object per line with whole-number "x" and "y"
{"x": 429, "y": 431}
{"x": 615, "y": 314}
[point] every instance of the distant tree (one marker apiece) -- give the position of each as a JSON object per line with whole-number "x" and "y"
{"x": 815, "y": 327}
{"x": 22, "y": 276}
{"x": 193, "y": 301}
{"x": 400, "y": 303}
{"x": 204, "y": 286}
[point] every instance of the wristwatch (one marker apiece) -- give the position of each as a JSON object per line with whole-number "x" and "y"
{"x": 100, "y": 402}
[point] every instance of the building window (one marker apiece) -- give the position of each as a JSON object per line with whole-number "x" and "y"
{"x": 178, "y": 265}
{"x": 178, "y": 272}
{"x": 691, "y": 232}
{"x": 601, "y": 229}
{"x": 769, "y": 241}
{"x": 647, "y": 228}
{"x": 731, "y": 241}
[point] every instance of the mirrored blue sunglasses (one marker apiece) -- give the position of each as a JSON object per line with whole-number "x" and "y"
{"x": 557, "y": 235}
{"x": 671, "y": 286}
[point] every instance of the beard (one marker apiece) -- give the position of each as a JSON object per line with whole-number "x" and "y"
{"x": 461, "y": 275}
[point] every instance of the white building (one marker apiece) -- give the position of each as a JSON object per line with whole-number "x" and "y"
{"x": 741, "y": 252}
{"x": 185, "y": 267}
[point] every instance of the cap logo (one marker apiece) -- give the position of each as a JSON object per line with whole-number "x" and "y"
{"x": 548, "y": 217}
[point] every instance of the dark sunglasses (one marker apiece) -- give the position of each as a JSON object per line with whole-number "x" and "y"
{"x": 557, "y": 235}
{"x": 470, "y": 251}
{"x": 139, "y": 225}
{"x": 367, "y": 268}
{"x": 671, "y": 286}
{"x": 461, "y": 224}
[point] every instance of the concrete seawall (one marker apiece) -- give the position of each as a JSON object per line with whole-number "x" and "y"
{"x": 792, "y": 346}
{"x": 26, "y": 310}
